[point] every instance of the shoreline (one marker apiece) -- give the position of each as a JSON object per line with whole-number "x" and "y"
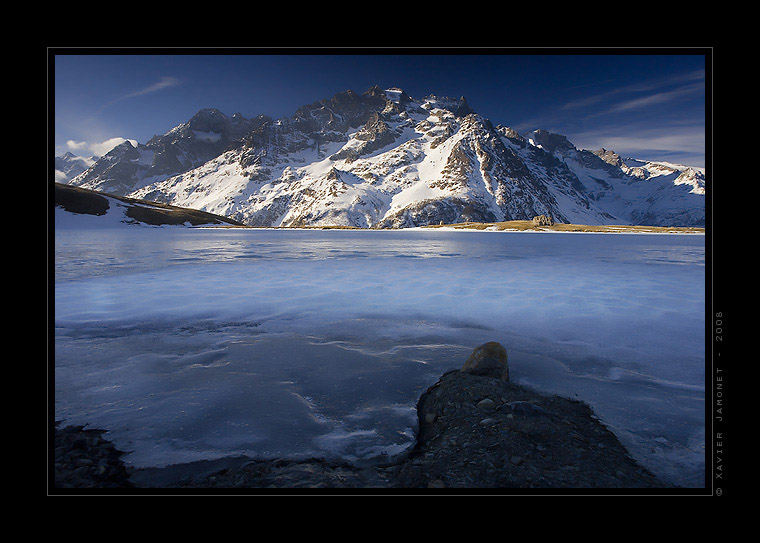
{"x": 476, "y": 429}
{"x": 491, "y": 227}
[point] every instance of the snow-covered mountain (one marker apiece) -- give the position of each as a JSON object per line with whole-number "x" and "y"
{"x": 205, "y": 136}
{"x": 69, "y": 165}
{"x": 384, "y": 159}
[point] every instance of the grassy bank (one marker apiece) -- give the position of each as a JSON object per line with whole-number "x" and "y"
{"x": 514, "y": 226}
{"x": 529, "y": 226}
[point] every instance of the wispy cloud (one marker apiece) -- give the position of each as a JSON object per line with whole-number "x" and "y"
{"x": 619, "y": 100}
{"x": 163, "y": 83}
{"x": 645, "y": 86}
{"x": 657, "y": 98}
{"x": 638, "y": 142}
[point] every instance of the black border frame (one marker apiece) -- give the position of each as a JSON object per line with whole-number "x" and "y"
{"x": 714, "y": 347}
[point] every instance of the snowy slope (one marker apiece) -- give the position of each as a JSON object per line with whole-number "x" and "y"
{"x": 82, "y": 208}
{"x": 384, "y": 159}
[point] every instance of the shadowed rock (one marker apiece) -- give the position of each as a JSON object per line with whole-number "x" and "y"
{"x": 84, "y": 459}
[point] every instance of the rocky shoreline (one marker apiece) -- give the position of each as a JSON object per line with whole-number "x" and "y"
{"x": 477, "y": 430}
{"x": 83, "y": 459}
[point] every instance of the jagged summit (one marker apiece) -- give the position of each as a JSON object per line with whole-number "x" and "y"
{"x": 550, "y": 141}
{"x": 609, "y": 157}
{"x": 383, "y": 158}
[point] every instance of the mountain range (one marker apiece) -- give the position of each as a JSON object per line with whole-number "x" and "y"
{"x": 382, "y": 159}
{"x": 68, "y": 166}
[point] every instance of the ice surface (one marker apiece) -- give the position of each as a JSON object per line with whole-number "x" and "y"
{"x": 199, "y": 343}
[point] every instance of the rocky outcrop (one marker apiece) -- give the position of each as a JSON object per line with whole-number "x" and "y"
{"x": 477, "y": 431}
{"x": 543, "y": 220}
{"x": 83, "y": 459}
{"x": 551, "y": 142}
{"x": 610, "y": 157}
{"x": 344, "y": 110}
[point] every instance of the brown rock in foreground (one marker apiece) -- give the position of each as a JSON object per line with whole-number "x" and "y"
{"x": 489, "y": 359}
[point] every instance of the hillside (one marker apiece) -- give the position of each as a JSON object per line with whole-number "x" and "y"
{"x": 82, "y": 207}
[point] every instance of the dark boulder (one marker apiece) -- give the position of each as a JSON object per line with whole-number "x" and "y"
{"x": 489, "y": 359}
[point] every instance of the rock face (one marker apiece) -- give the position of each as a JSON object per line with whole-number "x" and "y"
{"x": 489, "y": 359}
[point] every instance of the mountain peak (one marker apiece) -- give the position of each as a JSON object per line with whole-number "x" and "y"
{"x": 68, "y": 155}
{"x": 550, "y": 141}
{"x": 208, "y": 112}
{"x": 208, "y": 120}
{"x": 610, "y": 157}
{"x": 124, "y": 146}
{"x": 374, "y": 91}
{"x": 509, "y": 133}
{"x": 457, "y": 106}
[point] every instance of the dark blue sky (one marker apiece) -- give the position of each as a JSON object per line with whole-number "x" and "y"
{"x": 650, "y": 106}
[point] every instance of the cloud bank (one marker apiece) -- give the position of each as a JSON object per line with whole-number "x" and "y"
{"x": 83, "y": 148}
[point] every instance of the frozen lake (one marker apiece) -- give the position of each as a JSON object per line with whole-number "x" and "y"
{"x": 191, "y": 344}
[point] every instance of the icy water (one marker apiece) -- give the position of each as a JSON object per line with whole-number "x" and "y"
{"x": 191, "y": 344}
